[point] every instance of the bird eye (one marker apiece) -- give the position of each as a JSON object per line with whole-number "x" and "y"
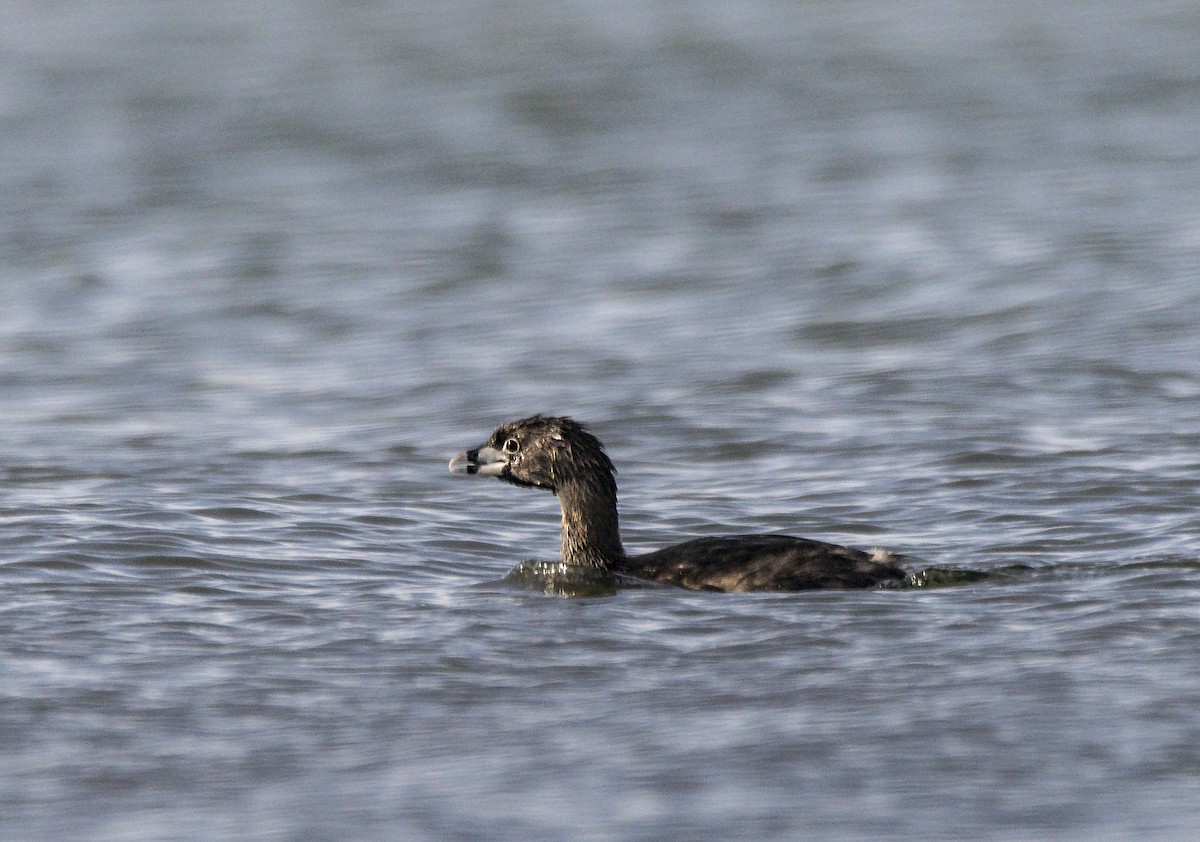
{"x": 512, "y": 446}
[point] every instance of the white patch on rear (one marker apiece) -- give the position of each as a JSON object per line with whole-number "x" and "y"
{"x": 882, "y": 556}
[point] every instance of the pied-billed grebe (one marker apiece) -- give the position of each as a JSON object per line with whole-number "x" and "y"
{"x": 561, "y": 456}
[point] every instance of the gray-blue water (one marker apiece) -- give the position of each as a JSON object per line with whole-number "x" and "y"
{"x": 922, "y": 275}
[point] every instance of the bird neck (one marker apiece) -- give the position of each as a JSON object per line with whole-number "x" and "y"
{"x": 591, "y": 535}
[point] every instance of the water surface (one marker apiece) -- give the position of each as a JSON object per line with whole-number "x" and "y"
{"x": 919, "y": 275}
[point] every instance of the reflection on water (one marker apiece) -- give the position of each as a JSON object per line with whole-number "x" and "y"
{"x": 558, "y": 579}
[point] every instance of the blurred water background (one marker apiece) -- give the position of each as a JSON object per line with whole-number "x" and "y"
{"x": 923, "y": 275}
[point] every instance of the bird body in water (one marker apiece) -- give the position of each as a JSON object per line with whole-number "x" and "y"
{"x": 561, "y": 456}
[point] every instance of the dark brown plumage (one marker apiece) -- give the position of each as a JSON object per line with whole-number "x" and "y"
{"x": 560, "y": 455}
